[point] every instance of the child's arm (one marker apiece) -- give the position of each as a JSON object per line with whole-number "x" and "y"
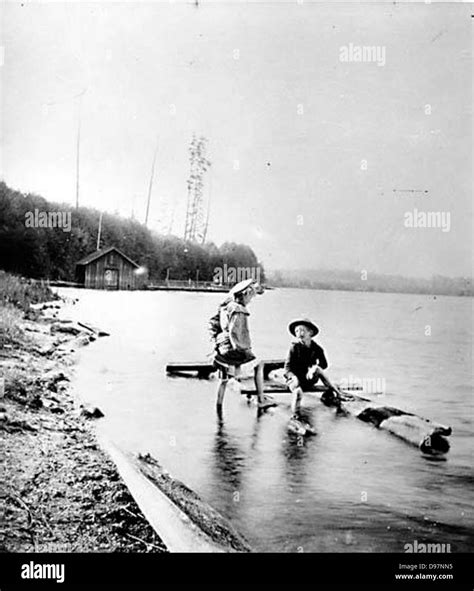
{"x": 312, "y": 371}
{"x": 322, "y": 361}
{"x": 321, "y": 364}
{"x": 288, "y": 367}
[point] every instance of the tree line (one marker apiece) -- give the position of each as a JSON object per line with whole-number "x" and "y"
{"x": 52, "y": 253}
{"x": 367, "y": 281}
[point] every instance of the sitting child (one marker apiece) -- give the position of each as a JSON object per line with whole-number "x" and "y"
{"x": 305, "y": 363}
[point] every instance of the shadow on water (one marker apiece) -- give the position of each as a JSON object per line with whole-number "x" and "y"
{"x": 295, "y": 453}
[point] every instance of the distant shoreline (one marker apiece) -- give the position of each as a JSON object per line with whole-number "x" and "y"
{"x": 366, "y": 281}
{"x": 352, "y": 289}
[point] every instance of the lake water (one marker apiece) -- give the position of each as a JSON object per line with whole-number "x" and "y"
{"x": 351, "y": 488}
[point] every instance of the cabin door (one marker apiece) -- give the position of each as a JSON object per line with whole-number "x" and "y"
{"x": 111, "y": 279}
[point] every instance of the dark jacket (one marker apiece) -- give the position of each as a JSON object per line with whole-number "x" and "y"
{"x": 300, "y": 358}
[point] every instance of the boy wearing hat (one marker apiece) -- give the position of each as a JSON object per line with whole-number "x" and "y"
{"x": 233, "y": 345}
{"x": 305, "y": 362}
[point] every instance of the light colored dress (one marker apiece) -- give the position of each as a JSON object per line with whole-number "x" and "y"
{"x": 233, "y": 344}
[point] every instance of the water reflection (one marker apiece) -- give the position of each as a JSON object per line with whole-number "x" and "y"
{"x": 260, "y": 416}
{"x": 228, "y": 462}
{"x": 297, "y": 453}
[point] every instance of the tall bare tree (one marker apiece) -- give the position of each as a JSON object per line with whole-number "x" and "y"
{"x": 196, "y": 220}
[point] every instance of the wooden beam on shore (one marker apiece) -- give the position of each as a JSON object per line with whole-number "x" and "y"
{"x": 198, "y": 529}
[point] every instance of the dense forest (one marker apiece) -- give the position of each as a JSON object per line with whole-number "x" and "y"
{"x": 52, "y": 253}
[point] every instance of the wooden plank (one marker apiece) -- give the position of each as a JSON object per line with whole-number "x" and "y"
{"x": 188, "y": 366}
{"x": 205, "y": 368}
{"x": 272, "y": 387}
{"x": 97, "y": 331}
{"x": 272, "y": 365}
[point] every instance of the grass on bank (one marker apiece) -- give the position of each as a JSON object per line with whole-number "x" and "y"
{"x": 21, "y": 292}
{"x": 16, "y": 295}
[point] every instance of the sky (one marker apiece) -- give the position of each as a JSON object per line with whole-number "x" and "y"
{"x": 315, "y": 161}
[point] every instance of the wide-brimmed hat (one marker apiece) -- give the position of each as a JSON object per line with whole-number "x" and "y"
{"x": 242, "y": 286}
{"x": 306, "y": 322}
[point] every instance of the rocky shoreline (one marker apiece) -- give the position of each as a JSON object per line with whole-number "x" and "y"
{"x": 60, "y": 491}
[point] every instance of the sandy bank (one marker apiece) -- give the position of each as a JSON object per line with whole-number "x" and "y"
{"x": 60, "y": 491}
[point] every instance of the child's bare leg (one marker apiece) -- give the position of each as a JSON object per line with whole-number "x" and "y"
{"x": 224, "y": 378}
{"x": 221, "y": 392}
{"x": 296, "y": 400}
{"x": 263, "y": 401}
{"x": 258, "y": 377}
{"x": 297, "y": 394}
{"x": 332, "y": 397}
{"x": 327, "y": 382}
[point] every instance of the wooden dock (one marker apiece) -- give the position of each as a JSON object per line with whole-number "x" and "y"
{"x": 430, "y": 437}
{"x": 204, "y": 369}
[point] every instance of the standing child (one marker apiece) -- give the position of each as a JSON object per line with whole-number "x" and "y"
{"x": 233, "y": 347}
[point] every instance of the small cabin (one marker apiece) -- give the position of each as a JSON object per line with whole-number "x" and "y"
{"x": 107, "y": 268}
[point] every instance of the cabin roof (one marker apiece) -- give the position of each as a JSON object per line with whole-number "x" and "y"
{"x": 102, "y": 252}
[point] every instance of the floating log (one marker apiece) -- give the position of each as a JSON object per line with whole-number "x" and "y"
{"x": 428, "y": 436}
